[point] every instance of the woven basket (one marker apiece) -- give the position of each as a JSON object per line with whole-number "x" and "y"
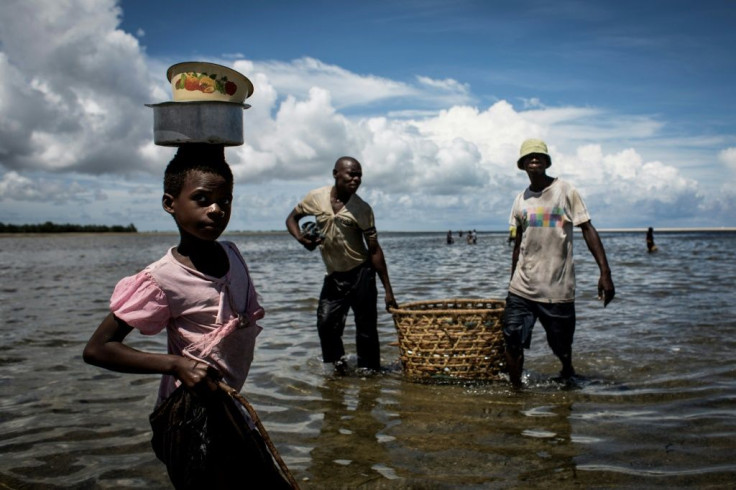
{"x": 450, "y": 339}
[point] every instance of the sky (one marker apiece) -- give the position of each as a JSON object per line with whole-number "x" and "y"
{"x": 636, "y": 100}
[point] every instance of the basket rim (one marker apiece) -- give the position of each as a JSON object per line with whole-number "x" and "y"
{"x": 404, "y": 308}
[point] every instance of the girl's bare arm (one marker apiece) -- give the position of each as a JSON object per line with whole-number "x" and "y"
{"x": 106, "y": 349}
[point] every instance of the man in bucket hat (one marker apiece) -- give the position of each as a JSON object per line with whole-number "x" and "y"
{"x": 542, "y": 275}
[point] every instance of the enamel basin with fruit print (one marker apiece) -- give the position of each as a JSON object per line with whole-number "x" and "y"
{"x": 200, "y": 81}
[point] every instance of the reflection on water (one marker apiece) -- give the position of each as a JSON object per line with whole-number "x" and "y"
{"x": 654, "y": 406}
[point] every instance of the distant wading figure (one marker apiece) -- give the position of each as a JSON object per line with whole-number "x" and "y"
{"x": 352, "y": 256}
{"x": 512, "y": 234}
{"x": 542, "y": 276}
{"x": 651, "y": 247}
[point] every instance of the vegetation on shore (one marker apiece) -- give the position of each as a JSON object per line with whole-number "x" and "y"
{"x": 49, "y": 227}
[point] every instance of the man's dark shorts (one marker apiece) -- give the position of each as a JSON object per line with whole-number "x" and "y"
{"x": 558, "y": 320}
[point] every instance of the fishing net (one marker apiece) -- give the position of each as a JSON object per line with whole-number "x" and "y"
{"x": 206, "y": 442}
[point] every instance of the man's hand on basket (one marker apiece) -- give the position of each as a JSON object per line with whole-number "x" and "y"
{"x": 390, "y": 301}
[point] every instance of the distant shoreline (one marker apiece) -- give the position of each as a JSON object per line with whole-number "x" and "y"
{"x": 50, "y": 227}
{"x": 667, "y": 230}
{"x": 278, "y": 232}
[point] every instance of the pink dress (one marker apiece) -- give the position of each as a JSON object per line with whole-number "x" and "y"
{"x": 207, "y": 318}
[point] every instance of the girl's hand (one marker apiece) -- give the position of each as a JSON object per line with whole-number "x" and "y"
{"x": 196, "y": 375}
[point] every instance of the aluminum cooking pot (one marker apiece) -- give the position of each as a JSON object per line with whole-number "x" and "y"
{"x": 213, "y": 122}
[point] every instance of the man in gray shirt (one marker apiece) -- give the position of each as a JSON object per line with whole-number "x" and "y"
{"x": 542, "y": 271}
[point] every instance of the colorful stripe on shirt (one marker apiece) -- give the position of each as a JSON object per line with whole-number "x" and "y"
{"x": 544, "y": 217}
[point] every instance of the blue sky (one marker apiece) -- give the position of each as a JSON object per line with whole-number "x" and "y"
{"x": 635, "y": 99}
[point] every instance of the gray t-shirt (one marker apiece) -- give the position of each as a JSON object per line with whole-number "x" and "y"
{"x": 545, "y": 271}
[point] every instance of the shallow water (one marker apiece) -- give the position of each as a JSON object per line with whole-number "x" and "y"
{"x": 654, "y": 405}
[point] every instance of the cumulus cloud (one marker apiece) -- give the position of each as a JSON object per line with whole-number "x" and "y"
{"x": 728, "y": 158}
{"x": 73, "y": 88}
{"x": 73, "y": 98}
{"x": 351, "y": 90}
{"x": 347, "y": 89}
{"x": 17, "y": 187}
{"x": 628, "y": 188}
{"x": 532, "y": 103}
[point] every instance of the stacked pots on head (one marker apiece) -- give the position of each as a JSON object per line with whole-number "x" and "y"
{"x": 207, "y": 107}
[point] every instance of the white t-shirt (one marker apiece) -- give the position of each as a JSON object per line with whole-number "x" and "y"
{"x": 545, "y": 271}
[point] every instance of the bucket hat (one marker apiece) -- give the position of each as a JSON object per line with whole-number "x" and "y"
{"x": 530, "y": 146}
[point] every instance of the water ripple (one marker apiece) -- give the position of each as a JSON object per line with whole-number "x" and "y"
{"x": 653, "y": 405}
